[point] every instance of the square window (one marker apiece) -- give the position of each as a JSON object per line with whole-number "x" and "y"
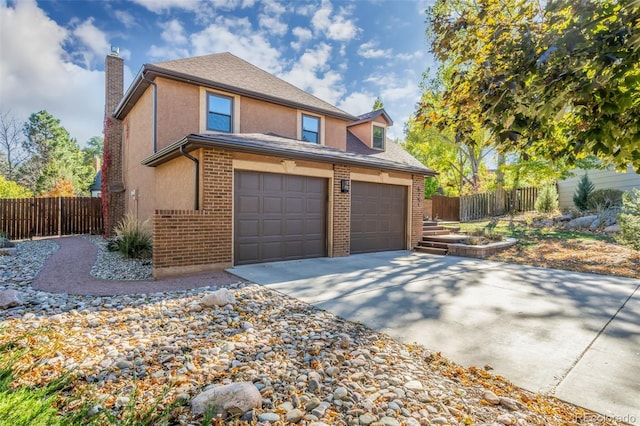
{"x": 378, "y": 137}
{"x": 310, "y": 128}
{"x": 219, "y": 116}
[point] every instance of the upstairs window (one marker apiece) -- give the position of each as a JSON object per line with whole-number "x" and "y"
{"x": 310, "y": 128}
{"x": 378, "y": 137}
{"x": 219, "y": 115}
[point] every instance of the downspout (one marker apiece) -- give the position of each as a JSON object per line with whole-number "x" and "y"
{"x": 155, "y": 113}
{"x": 197, "y": 164}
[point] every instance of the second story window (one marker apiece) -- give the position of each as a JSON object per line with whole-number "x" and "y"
{"x": 378, "y": 137}
{"x": 310, "y": 128}
{"x": 219, "y": 116}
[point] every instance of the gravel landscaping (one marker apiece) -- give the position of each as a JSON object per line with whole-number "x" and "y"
{"x": 307, "y": 366}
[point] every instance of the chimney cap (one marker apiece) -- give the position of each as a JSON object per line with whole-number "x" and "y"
{"x": 115, "y": 51}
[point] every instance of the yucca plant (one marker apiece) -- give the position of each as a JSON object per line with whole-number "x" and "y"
{"x": 133, "y": 237}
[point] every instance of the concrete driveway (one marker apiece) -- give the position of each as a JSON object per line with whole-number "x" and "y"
{"x": 572, "y": 335}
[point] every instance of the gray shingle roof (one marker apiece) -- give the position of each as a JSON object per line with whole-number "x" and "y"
{"x": 282, "y": 147}
{"x": 392, "y": 152}
{"x": 369, "y": 116}
{"x": 228, "y": 72}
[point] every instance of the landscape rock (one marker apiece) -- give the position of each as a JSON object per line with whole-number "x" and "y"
{"x": 413, "y": 385}
{"x": 563, "y": 218}
{"x": 221, "y": 297}
{"x": 294, "y": 416}
{"x": 10, "y": 299}
{"x": 581, "y": 222}
{"x": 612, "y": 229}
{"x": 235, "y": 398}
{"x": 491, "y": 397}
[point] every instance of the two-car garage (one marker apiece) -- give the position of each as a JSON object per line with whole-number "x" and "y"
{"x": 285, "y": 216}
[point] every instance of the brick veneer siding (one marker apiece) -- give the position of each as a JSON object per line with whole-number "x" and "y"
{"x": 341, "y": 213}
{"x": 187, "y": 241}
{"x": 417, "y": 209}
{"x": 113, "y": 190}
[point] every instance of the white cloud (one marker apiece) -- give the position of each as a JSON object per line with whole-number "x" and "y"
{"x": 270, "y": 18}
{"x": 37, "y": 74}
{"x": 303, "y": 35}
{"x": 94, "y": 41}
{"x": 312, "y": 73}
{"x": 237, "y": 36}
{"x": 335, "y": 26}
{"x": 357, "y": 103}
{"x": 173, "y": 32}
{"x": 368, "y": 50}
{"x": 419, "y": 54}
{"x": 158, "y": 6}
{"x": 125, "y": 18}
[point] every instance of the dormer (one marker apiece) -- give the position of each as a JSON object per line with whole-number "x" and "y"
{"x": 371, "y": 128}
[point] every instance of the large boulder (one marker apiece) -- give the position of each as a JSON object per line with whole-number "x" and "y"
{"x": 611, "y": 229}
{"x": 219, "y": 297}
{"x": 235, "y": 398}
{"x": 10, "y": 299}
{"x": 581, "y": 222}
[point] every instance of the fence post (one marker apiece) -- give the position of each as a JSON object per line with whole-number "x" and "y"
{"x": 59, "y": 216}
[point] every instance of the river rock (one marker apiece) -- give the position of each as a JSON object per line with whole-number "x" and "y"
{"x": 10, "y": 299}
{"x": 221, "y": 297}
{"x": 235, "y": 398}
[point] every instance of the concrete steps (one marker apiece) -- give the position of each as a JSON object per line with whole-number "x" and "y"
{"x": 436, "y": 237}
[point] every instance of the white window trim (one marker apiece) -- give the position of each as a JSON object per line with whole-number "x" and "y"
{"x": 299, "y": 125}
{"x": 204, "y": 93}
{"x": 384, "y": 136}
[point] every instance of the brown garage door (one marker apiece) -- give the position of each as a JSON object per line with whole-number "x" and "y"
{"x": 378, "y": 217}
{"x": 278, "y": 217}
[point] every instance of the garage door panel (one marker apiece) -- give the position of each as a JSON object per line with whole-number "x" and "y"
{"x": 378, "y": 217}
{"x": 289, "y": 221}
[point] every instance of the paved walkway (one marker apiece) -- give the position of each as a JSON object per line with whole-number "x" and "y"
{"x": 68, "y": 271}
{"x": 572, "y": 335}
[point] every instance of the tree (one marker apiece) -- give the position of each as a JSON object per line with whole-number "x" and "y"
{"x": 377, "y": 104}
{"x": 547, "y": 201}
{"x": 11, "y": 152}
{"x": 55, "y": 156}
{"x": 556, "y": 79}
{"x": 584, "y": 189}
{"x": 10, "y": 189}
{"x": 94, "y": 148}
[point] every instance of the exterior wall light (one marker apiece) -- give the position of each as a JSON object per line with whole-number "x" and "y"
{"x": 344, "y": 185}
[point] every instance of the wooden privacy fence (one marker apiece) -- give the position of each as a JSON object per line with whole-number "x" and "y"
{"x": 480, "y": 206}
{"x": 22, "y": 218}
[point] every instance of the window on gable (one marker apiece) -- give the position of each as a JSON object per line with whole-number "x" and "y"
{"x": 378, "y": 137}
{"x": 219, "y": 116}
{"x": 310, "y": 128}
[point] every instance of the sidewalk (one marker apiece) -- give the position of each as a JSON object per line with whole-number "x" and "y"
{"x": 68, "y": 271}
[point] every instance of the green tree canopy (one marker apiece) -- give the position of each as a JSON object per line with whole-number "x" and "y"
{"x": 11, "y": 189}
{"x": 558, "y": 79}
{"x": 54, "y": 156}
{"x": 377, "y": 104}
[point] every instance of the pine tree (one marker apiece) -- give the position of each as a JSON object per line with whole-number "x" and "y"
{"x": 581, "y": 196}
{"x": 547, "y": 200}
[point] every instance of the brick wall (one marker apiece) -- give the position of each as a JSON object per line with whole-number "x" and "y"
{"x": 417, "y": 209}
{"x": 341, "y": 213}
{"x": 113, "y": 190}
{"x": 188, "y": 241}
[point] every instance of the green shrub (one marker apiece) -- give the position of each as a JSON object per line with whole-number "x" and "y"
{"x": 604, "y": 199}
{"x": 547, "y": 200}
{"x": 629, "y": 219}
{"x": 581, "y": 196}
{"x": 133, "y": 238}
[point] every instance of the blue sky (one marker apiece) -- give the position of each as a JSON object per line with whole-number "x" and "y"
{"x": 345, "y": 52}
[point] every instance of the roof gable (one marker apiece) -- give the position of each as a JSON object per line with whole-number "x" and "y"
{"x": 230, "y": 73}
{"x": 370, "y": 116}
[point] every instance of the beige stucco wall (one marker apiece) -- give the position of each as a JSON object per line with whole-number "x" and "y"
{"x": 262, "y": 117}
{"x": 362, "y": 132}
{"x": 336, "y": 133}
{"x": 138, "y": 144}
{"x": 178, "y": 109}
{"x": 175, "y": 183}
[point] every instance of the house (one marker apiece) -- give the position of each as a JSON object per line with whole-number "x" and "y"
{"x": 234, "y": 166}
{"x": 96, "y": 187}
{"x": 606, "y": 178}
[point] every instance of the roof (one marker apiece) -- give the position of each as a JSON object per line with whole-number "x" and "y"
{"x": 258, "y": 143}
{"x": 392, "y": 152}
{"x": 225, "y": 71}
{"x": 370, "y": 116}
{"x": 97, "y": 182}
